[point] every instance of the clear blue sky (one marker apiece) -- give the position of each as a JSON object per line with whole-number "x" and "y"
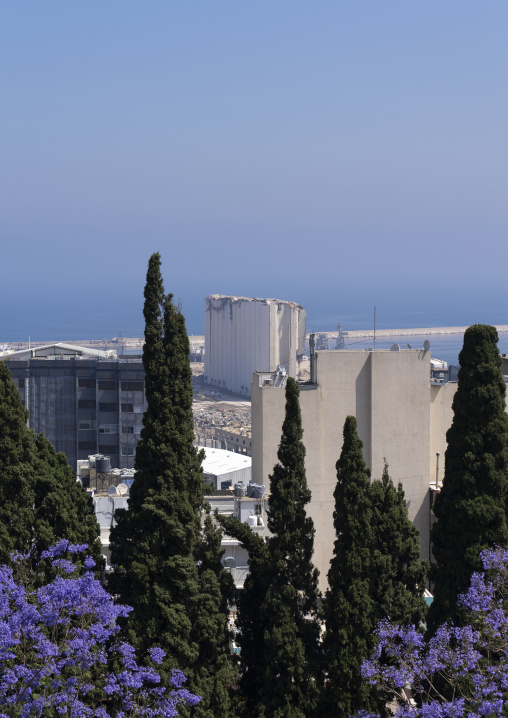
{"x": 279, "y": 148}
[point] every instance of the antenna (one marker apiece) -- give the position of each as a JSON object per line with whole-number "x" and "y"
{"x": 374, "y": 327}
{"x": 395, "y": 348}
{"x": 122, "y": 489}
{"x": 426, "y": 345}
{"x": 112, "y": 490}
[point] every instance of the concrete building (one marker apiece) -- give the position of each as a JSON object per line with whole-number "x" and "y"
{"x": 234, "y": 441}
{"x": 402, "y": 413}
{"x": 83, "y": 400}
{"x": 245, "y": 335}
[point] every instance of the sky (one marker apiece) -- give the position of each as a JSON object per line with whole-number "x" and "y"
{"x": 338, "y": 154}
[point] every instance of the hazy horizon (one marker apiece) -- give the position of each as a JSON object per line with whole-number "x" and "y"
{"x": 341, "y": 155}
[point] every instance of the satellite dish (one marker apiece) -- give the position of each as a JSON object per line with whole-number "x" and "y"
{"x": 426, "y": 345}
{"x": 395, "y": 348}
{"x": 111, "y": 490}
{"x": 122, "y": 489}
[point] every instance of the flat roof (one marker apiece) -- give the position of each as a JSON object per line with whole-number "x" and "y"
{"x": 220, "y": 461}
{"x": 58, "y": 349}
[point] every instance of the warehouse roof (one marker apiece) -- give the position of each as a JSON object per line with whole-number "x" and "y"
{"x": 220, "y": 461}
{"x": 59, "y": 349}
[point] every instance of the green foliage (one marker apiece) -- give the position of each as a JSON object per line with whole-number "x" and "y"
{"x": 17, "y": 470}
{"x": 62, "y": 508}
{"x": 349, "y": 607}
{"x": 399, "y": 578}
{"x": 277, "y": 609}
{"x": 375, "y": 573}
{"x": 471, "y": 507}
{"x": 40, "y": 499}
{"x": 158, "y": 542}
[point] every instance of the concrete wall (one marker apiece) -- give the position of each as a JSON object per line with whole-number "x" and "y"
{"x": 244, "y": 335}
{"x": 388, "y": 392}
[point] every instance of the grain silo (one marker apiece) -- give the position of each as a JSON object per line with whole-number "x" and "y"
{"x": 243, "y": 335}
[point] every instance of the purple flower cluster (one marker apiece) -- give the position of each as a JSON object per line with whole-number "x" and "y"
{"x": 472, "y": 662}
{"x": 57, "y": 644}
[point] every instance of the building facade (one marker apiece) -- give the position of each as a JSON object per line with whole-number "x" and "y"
{"x": 244, "y": 335}
{"x": 403, "y": 415}
{"x": 85, "y": 402}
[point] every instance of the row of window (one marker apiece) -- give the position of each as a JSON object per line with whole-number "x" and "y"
{"x": 91, "y": 425}
{"x": 111, "y": 406}
{"x": 110, "y": 384}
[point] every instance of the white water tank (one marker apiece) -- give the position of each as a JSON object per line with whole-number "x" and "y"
{"x": 252, "y": 520}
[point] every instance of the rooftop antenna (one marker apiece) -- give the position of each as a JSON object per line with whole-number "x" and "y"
{"x": 374, "y": 328}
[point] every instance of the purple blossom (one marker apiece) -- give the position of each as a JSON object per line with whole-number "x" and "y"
{"x": 471, "y": 660}
{"x": 51, "y": 637}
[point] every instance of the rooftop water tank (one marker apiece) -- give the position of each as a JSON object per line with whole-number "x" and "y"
{"x": 252, "y": 520}
{"x": 103, "y": 464}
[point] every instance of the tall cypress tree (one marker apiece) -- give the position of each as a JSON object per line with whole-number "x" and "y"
{"x": 291, "y": 634}
{"x": 399, "y": 576}
{"x": 471, "y": 507}
{"x": 277, "y": 612}
{"x": 250, "y": 612}
{"x": 375, "y": 574}
{"x": 17, "y": 470}
{"x": 158, "y": 542}
{"x": 348, "y": 607}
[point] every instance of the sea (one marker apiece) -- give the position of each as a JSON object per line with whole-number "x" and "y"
{"x": 104, "y": 316}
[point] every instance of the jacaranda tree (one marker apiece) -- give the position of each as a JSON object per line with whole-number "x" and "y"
{"x": 470, "y": 660}
{"x": 60, "y": 650}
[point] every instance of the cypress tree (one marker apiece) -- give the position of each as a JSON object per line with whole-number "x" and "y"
{"x": 375, "y": 574}
{"x": 17, "y": 470}
{"x": 158, "y": 543}
{"x": 399, "y": 576}
{"x": 348, "y": 608}
{"x": 277, "y": 611}
{"x": 250, "y": 612}
{"x": 471, "y": 507}
{"x": 291, "y": 633}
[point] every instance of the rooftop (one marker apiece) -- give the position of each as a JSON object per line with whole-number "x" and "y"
{"x": 220, "y": 461}
{"x": 59, "y": 349}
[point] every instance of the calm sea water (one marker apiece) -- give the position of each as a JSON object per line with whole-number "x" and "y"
{"x": 106, "y": 314}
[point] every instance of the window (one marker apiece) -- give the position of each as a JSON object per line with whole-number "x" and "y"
{"x": 128, "y": 450}
{"x": 108, "y": 449}
{"x": 21, "y": 383}
{"x": 86, "y": 445}
{"x": 127, "y": 408}
{"x": 132, "y": 385}
{"x": 127, "y": 430}
{"x": 107, "y": 384}
{"x": 257, "y": 509}
{"x": 88, "y": 425}
{"x": 84, "y": 382}
{"x": 86, "y": 404}
{"x": 107, "y": 406}
{"x": 108, "y": 429}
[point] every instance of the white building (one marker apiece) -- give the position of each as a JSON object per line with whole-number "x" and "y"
{"x": 245, "y": 335}
{"x": 224, "y": 469}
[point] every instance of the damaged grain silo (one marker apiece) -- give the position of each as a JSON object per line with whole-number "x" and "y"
{"x": 244, "y": 335}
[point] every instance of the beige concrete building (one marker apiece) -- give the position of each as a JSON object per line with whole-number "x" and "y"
{"x": 402, "y": 416}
